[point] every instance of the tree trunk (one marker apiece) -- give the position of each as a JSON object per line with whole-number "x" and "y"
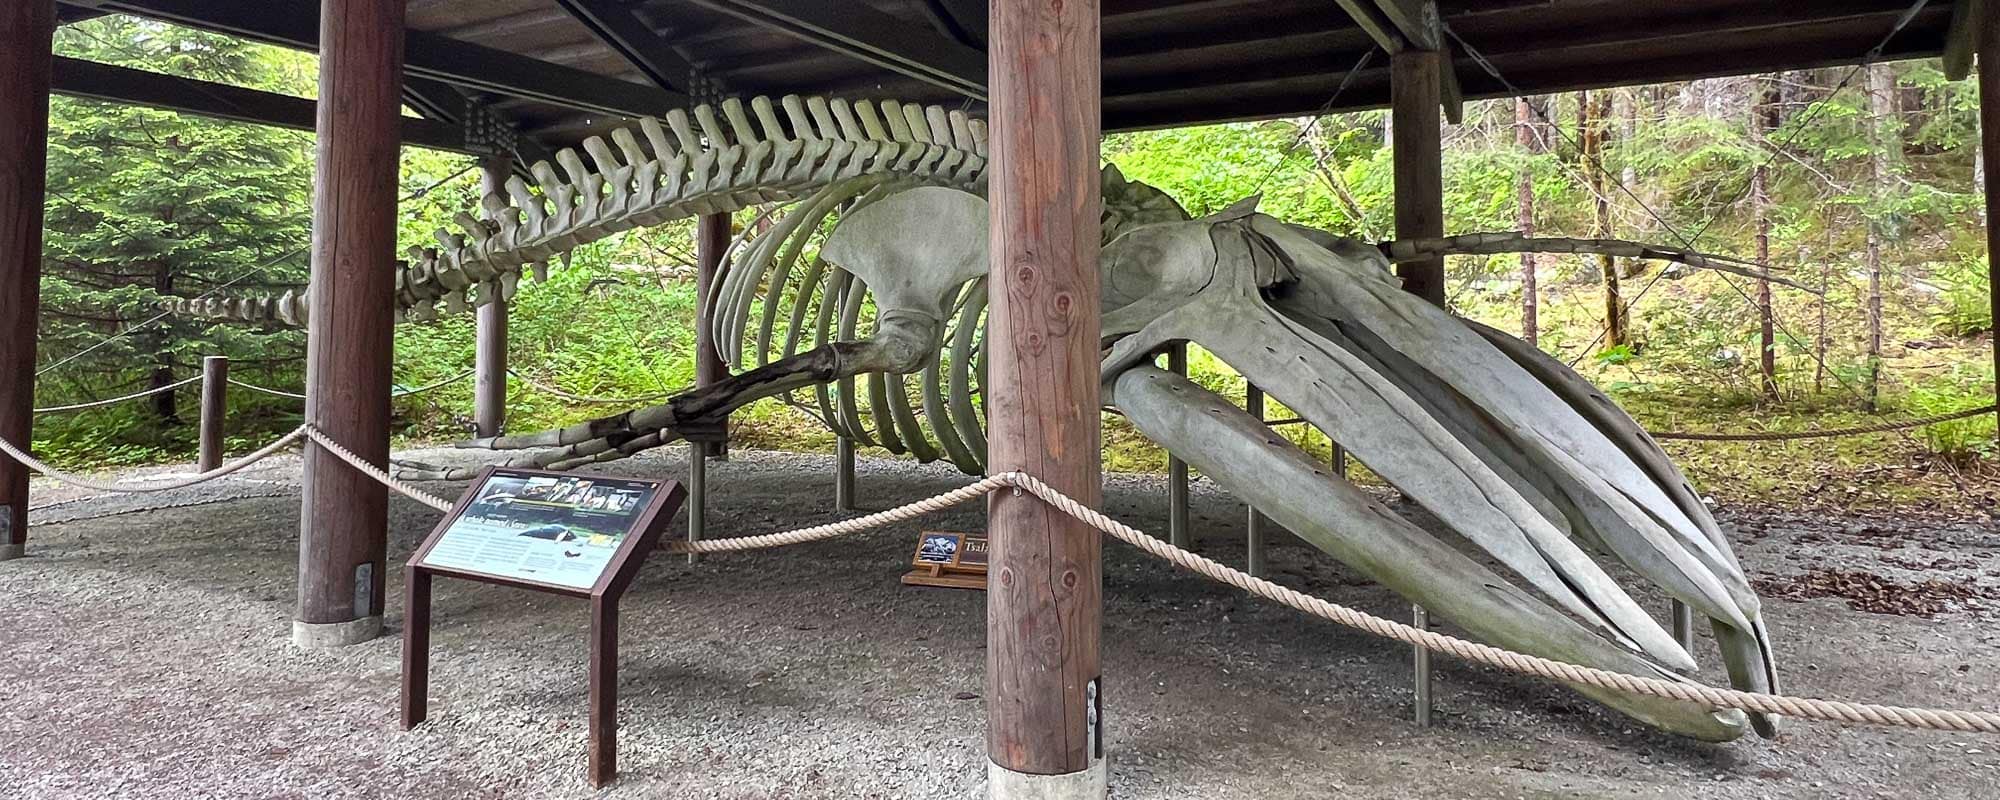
{"x": 1886, "y": 141}
{"x": 1628, "y": 175}
{"x": 1591, "y": 113}
{"x": 1764, "y": 119}
{"x": 1524, "y": 216}
{"x": 160, "y": 341}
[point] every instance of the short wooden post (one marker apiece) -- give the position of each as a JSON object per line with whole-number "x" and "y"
{"x": 1178, "y": 532}
{"x": 1414, "y": 92}
{"x": 343, "y": 530}
{"x": 843, "y": 474}
{"x": 27, "y": 28}
{"x": 1044, "y": 721}
{"x": 1253, "y": 525}
{"x": 214, "y": 409}
{"x": 711, "y": 241}
{"x": 489, "y": 365}
{"x": 1989, "y": 142}
{"x": 1421, "y": 674}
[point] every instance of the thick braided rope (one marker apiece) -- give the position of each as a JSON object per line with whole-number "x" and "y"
{"x": 266, "y": 390}
{"x": 1828, "y": 433}
{"x": 133, "y": 396}
{"x": 580, "y": 398}
{"x": 1712, "y": 697}
{"x": 381, "y": 476}
{"x": 830, "y": 530}
{"x": 405, "y": 393}
{"x": 143, "y": 488}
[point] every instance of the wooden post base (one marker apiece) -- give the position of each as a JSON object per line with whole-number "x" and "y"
{"x": 1005, "y": 784}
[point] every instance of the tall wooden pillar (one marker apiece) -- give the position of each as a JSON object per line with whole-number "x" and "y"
{"x": 343, "y": 532}
{"x": 1044, "y": 729}
{"x": 26, "y": 31}
{"x": 1989, "y": 142}
{"x": 710, "y": 241}
{"x": 489, "y": 361}
{"x": 1419, "y": 161}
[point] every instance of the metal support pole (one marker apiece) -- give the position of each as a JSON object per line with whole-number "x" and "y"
{"x": 711, "y": 240}
{"x": 1044, "y": 606}
{"x": 843, "y": 474}
{"x": 344, "y": 518}
{"x": 1422, "y": 673}
{"x": 489, "y": 366}
{"x": 1683, "y": 625}
{"x": 1253, "y": 525}
{"x": 697, "y": 494}
{"x": 27, "y": 28}
{"x": 214, "y": 408}
{"x": 1179, "y": 534}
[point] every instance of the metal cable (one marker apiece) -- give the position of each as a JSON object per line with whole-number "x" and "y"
{"x": 133, "y": 396}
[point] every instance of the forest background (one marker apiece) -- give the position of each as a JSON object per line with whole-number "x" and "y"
{"x": 1860, "y": 181}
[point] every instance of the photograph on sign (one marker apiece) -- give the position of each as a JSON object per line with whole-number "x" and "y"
{"x": 560, "y": 530}
{"x": 938, "y": 548}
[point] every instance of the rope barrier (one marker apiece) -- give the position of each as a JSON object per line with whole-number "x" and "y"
{"x": 133, "y": 396}
{"x": 1779, "y": 436}
{"x": 1520, "y": 663}
{"x": 404, "y": 393}
{"x": 137, "y": 488}
{"x": 533, "y": 384}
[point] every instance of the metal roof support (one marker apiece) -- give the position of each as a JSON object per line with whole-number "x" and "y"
{"x": 862, "y": 32}
{"x": 619, "y": 29}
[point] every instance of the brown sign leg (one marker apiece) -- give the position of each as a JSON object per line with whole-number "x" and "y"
{"x": 603, "y": 690}
{"x": 416, "y": 647}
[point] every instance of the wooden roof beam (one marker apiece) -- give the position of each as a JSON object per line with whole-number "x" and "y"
{"x": 295, "y": 24}
{"x": 635, "y": 41}
{"x": 94, "y": 81}
{"x": 861, "y": 32}
{"x": 1421, "y": 28}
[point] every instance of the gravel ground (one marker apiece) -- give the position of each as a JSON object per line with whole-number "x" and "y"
{"x": 144, "y": 653}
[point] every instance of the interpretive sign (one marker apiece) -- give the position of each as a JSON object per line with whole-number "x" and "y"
{"x": 553, "y": 529}
{"x": 578, "y": 535}
{"x": 952, "y": 560}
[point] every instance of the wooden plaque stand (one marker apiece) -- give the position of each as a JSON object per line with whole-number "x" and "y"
{"x": 950, "y": 560}
{"x": 617, "y": 575}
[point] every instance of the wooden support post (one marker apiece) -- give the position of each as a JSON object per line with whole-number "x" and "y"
{"x": 711, "y": 240}
{"x": 343, "y": 530}
{"x": 843, "y": 474}
{"x": 1044, "y": 726}
{"x": 1683, "y": 624}
{"x": 27, "y": 28}
{"x": 1421, "y": 662}
{"x": 1989, "y": 142}
{"x": 1253, "y": 524}
{"x": 1178, "y": 532}
{"x": 489, "y": 364}
{"x": 1419, "y": 166}
{"x": 214, "y": 409}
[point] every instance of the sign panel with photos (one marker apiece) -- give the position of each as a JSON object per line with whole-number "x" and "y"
{"x": 561, "y": 530}
{"x": 949, "y": 559}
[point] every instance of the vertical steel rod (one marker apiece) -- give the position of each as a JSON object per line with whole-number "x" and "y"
{"x": 1683, "y": 625}
{"x": 1179, "y": 534}
{"x": 697, "y": 494}
{"x": 843, "y": 474}
{"x": 1254, "y": 524}
{"x": 1422, "y": 673}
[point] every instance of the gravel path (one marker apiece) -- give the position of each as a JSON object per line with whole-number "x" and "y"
{"x": 143, "y": 653}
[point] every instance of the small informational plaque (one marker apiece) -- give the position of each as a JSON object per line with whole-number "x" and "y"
{"x": 949, "y": 559}
{"x": 554, "y": 529}
{"x": 583, "y": 536}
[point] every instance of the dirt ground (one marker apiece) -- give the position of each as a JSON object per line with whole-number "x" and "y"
{"x": 144, "y": 653}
